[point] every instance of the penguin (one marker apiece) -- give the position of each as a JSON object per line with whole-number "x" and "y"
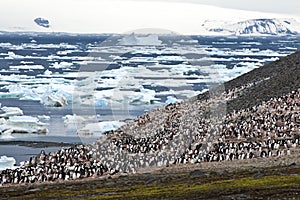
{"x": 278, "y": 153}
{"x": 263, "y": 154}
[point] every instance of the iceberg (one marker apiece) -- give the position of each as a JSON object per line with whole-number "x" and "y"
{"x": 100, "y": 103}
{"x": 54, "y": 97}
{"x": 145, "y": 96}
{"x": 73, "y": 119}
{"x": 100, "y": 127}
{"x": 23, "y": 120}
{"x": 47, "y": 73}
{"x": 22, "y": 124}
{"x": 11, "y": 111}
{"x": 55, "y": 100}
{"x": 44, "y": 117}
{"x": 61, "y": 65}
{"x": 18, "y": 123}
{"x": 7, "y": 162}
{"x": 133, "y": 40}
{"x": 51, "y": 92}
{"x": 171, "y": 100}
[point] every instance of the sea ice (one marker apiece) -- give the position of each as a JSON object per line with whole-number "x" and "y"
{"x": 171, "y": 100}
{"x": 18, "y": 67}
{"x": 11, "y": 111}
{"x": 23, "y": 124}
{"x": 61, "y": 65}
{"x": 100, "y": 127}
{"x": 7, "y": 162}
{"x": 54, "y": 100}
{"x": 43, "y": 117}
{"x": 73, "y": 119}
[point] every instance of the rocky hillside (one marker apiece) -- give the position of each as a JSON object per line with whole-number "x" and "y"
{"x": 272, "y": 80}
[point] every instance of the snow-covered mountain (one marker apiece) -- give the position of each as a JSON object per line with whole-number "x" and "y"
{"x": 255, "y": 27}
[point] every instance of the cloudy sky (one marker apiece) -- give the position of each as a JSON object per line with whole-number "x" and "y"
{"x": 119, "y": 16}
{"x": 291, "y": 7}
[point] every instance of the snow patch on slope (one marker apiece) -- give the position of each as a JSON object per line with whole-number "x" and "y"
{"x": 278, "y": 27}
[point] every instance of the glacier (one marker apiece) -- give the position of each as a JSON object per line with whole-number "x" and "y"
{"x": 255, "y": 27}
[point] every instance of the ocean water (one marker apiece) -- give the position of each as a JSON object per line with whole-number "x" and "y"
{"x": 106, "y": 79}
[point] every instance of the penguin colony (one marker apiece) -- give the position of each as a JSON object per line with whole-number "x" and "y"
{"x": 187, "y": 132}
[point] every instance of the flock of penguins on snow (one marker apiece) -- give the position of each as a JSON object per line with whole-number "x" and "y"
{"x": 186, "y": 132}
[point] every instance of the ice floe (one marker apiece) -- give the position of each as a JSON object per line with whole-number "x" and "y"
{"x": 7, "y": 162}
{"x": 18, "y": 67}
{"x": 63, "y": 64}
{"x": 73, "y": 119}
{"x": 100, "y": 127}
{"x": 56, "y": 92}
{"x": 171, "y": 100}
{"x": 13, "y": 121}
{"x": 54, "y": 100}
{"x": 23, "y": 124}
{"x": 10, "y": 111}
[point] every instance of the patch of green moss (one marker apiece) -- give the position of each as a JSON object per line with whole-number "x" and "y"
{"x": 167, "y": 190}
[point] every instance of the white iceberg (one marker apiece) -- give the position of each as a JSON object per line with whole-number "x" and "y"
{"x": 133, "y": 40}
{"x": 23, "y": 120}
{"x": 100, "y": 103}
{"x": 61, "y": 65}
{"x": 11, "y": 111}
{"x": 73, "y": 119}
{"x": 22, "y": 124}
{"x": 54, "y": 100}
{"x": 100, "y": 127}
{"x": 43, "y": 117}
{"x": 47, "y": 72}
{"x": 171, "y": 100}
{"x": 7, "y": 162}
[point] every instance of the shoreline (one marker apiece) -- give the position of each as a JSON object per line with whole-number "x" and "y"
{"x": 37, "y": 144}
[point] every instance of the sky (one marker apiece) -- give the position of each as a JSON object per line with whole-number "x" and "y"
{"x": 120, "y": 16}
{"x": 291, "y": 7}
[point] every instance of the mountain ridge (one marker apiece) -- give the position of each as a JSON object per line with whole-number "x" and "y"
{"x": 271, "y": 80}
{"x": 259, "y": 27}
